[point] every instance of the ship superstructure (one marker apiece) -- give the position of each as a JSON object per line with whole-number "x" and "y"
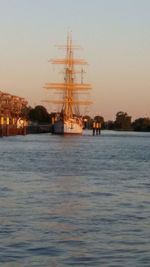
{"x": 69, "y": 121}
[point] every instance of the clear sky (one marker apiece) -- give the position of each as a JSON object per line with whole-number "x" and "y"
{"x": 115, "y": 35}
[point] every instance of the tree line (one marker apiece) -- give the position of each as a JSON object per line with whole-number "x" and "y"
{"x": 122, "y": 122}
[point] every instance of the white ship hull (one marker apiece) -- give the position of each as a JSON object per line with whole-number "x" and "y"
{"x": 71, "y": 126}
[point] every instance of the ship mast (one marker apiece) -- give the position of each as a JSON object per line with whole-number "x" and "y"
{"x": 69, "y": 80}
{"x": 70, "y": 88}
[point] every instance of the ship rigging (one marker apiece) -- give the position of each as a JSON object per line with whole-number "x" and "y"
{"x": 70, "y": 120}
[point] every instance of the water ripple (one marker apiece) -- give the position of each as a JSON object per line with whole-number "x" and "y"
{"x": 76, "y": 201}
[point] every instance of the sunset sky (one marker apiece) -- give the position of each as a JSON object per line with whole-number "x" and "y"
{"x": 115, "y": 35}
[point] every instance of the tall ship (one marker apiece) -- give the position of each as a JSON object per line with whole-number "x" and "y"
{"x": 69, "y": 119}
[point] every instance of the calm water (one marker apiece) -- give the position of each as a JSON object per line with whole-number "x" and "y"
{"x": 75, "y": 201}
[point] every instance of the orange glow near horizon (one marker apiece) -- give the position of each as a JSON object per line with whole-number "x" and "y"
{"x": 116, "y": 45}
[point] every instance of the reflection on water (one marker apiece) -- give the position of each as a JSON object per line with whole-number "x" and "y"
{"x": 75, "y": 201}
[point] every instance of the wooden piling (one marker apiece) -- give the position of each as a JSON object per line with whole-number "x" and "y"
{"x": 8, "y": 127}
{"x": 96, "y": 128}
{"x": 1, "y": 126}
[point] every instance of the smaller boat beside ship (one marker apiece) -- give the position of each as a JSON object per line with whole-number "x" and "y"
{"x": 69, "y": 120}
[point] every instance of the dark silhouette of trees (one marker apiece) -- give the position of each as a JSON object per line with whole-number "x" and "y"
{"x": 99, "y": 119}
{"x": 39, "y": 114}
{"x": 141, "y": 124}
{"x": 109, "y": 125}
{"x": 25, "y": 112}
{"x": 123, "y": 121}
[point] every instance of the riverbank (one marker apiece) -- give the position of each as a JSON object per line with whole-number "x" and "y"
{"x": 38, "y": 129}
